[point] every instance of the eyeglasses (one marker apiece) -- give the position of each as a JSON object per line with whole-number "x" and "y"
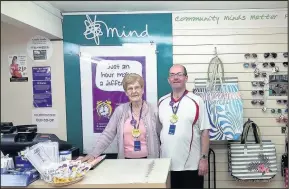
{"x": 268, "y": 55}
{"x": 261, "y": 92}
{"x": 248, "y": 55}
{"x": 254, "y": 102}
{"x": 279, "y": 111}
{"x": 261, "y": 83}
{"x": 282, "y": 101}
{"x": 285, "y": 64}
{"x": 180, "y": 74}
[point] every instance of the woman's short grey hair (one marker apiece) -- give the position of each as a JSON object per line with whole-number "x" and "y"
{"x": 131, "y": 79}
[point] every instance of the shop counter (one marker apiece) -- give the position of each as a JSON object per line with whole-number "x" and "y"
{"x": 123, "y": 173}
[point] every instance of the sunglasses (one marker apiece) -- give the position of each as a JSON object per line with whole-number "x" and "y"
{"x": 261, "y": 92}
{"x": 257, "y": 74}
{"x": 254, "y": 102}
{"x": 282, "y": 101}
{"x": 261, "y": 83}
{"x": 250, "y": 55}
{"x": 276, "y": 69}
{"x": 268, "y": 55}
{"x": 253, "y": 65}
{"x": 265, "y": 64}
{"x": 273, "y": 111}
{"x": 285, "y": 54}
{"x": 285, "y": 64}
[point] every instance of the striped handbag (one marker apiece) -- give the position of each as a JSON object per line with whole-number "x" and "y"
{"x": 252, "y": 161}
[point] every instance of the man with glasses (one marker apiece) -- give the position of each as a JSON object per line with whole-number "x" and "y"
{"x": 185, "y": 132}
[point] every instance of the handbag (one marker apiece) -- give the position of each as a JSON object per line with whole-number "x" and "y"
{"x": 252, "y": 161}
{"x": 223, "y": 102}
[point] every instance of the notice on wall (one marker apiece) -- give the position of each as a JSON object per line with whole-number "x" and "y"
{"x": 39, "y": 48}
{"x": 45, "y": 118}
{"x": 231, "y": 19}
{"x": 42, "y": 93}
{"x": 107, "y": 90}
{"x": 18, "y": 68}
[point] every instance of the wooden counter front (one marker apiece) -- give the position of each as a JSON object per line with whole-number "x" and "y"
{"x": 123, "y": 173}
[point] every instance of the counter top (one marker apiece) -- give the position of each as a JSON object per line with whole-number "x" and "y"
{"x": 123, "y": 173}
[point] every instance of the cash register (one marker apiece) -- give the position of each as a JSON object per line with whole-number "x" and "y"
{"x": 15, "y": 138}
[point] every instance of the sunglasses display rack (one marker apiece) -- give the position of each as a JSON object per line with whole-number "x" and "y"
{"x": 277, "y": 84}
{"x": 258, "y": 94}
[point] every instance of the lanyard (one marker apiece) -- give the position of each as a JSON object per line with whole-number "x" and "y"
{"x": 175, "y": 110}
{"x": 133, "y": 121}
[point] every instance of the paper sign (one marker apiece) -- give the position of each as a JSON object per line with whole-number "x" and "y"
{"x": 41, "y": 73}
{"x": 45, "y": 118}
{"x": 110, "y": 73}
{"x": 18, "y": 68}
{"x": 39, "y": 48}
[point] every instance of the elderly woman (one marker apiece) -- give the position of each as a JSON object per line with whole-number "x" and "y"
{"x": 135, "y": 124}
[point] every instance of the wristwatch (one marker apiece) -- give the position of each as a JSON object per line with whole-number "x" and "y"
{"x": 204, "y": 156}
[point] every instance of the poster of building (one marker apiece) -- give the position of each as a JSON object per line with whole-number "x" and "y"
{"x": 18, "y": 68}
{"x": 107, "y": 89}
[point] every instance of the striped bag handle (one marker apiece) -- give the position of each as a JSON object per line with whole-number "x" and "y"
{"x": 256, "y": 132}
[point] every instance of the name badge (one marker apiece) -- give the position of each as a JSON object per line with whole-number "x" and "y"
{"x": 137, "y": 146}
{"x": 172, "y": 129}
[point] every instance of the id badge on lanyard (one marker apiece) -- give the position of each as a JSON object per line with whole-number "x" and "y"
{"x": 136, "y": 131}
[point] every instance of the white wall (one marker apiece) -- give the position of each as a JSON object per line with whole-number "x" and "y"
{"x": 194, "y": 48}
{"x": 16, "y": 97}
{"x": 40, "y": 16}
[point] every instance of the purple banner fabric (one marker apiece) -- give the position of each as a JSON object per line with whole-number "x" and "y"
{"x": 41, "y": 73}
{"x": 107, "y": 91}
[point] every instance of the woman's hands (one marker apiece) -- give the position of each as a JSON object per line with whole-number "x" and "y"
{"x": 87, "y": 158}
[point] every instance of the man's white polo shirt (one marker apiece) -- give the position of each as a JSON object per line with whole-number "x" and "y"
{"x": 177, "y": 146}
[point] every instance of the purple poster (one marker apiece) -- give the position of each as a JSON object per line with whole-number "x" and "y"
{"x": 107, "y": 90}
{"x": 41, "y": 73}
{"x": 42, "y": 95}
{"x": 42, "y": 100}
{"x": 40, "y": 87}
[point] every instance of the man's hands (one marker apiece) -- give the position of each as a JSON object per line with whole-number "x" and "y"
{"x": 203, "y": 167}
